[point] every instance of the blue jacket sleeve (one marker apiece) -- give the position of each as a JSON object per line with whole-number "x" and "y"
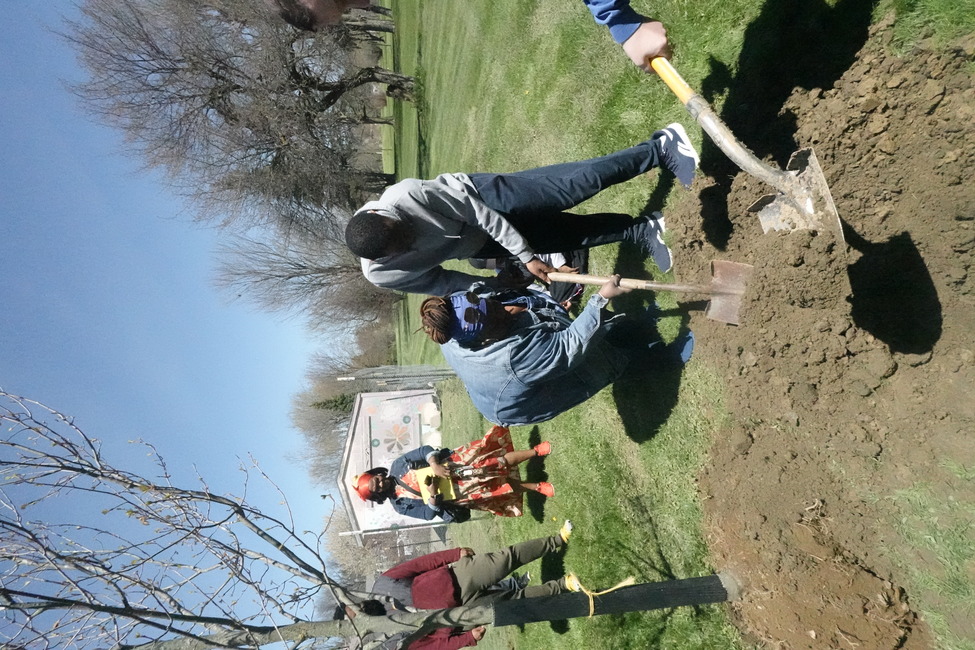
{"x": 617, "y": 15}
{"x": 401, "y": 465}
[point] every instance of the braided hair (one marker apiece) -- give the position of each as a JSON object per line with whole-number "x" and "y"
{"x": 436, "y": 318}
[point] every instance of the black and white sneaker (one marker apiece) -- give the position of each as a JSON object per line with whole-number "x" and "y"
{"x": 652, "y": 242}
{"x": 676, "y": 152}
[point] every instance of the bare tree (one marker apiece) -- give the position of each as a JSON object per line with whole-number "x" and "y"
{"x": 323, "y": 429}
{"x": 354, "y": 560}
{"x": 162, "y": 566}
{"x": 245, "y": 113}
{"x": 306, "y": 273}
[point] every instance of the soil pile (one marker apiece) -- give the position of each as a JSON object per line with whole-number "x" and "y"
{"x": 851, "y": 376}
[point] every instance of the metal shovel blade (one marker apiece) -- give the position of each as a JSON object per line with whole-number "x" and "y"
{"x": 727, "y": 286}
{"x": 814, "y": 211}
{"x": 728, "y": 281}
{"x": 803, "y": 201}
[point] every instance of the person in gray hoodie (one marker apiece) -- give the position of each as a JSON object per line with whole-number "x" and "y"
{"x": 415, "y": 226}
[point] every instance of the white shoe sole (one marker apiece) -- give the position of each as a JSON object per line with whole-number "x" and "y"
{"x": 684, "y": 142}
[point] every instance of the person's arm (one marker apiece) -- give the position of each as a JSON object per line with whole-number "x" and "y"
{"x": 618, "y": 15}
{"x": 454, "y": 196}
{"x": 424, "y": 563}
{"x": 552, "y": 353}
{"x": 417, "y": 509}
{"x": 642, "y": 38}
{"x": 437, "y": 281}
{"x": 418, "y": 455}
{"x": 433, "y": 460}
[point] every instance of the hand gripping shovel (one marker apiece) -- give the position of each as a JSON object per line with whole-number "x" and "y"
{"x": 728, "y": 280}
{"x": 803, "y": 201}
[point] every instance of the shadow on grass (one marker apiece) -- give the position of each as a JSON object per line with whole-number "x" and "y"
{"x": 647, "y": 392}
{"x": 893, "y": 296}
{"x": 645, "y": 561}
{"x": 534, "y": 473}
{"x": 553, "y": 568}
{"x": 792, "y": 43}
{"x": 655, "y": 202}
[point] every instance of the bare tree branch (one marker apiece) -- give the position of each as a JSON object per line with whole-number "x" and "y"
{"x": 246, "y": 115}
{"x": 315, "y": 275}
{"x": 165, "y": 566}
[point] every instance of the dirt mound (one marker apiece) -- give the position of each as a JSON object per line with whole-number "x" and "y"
{"x": 851, "y": 377}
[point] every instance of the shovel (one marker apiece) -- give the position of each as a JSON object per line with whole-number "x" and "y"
{"x": 728, "y": 280}
{"x": 803, "y": 201}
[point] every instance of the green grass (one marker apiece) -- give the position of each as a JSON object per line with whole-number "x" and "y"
{"x": 497, "y": 109}
{"x": 512, "y": 84}
{"x": 938, "y": 529}
{"x": 943, "y": 20}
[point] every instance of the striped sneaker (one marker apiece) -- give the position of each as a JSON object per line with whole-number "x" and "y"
{"x": 651, "y": 235}
{"x": 677, "y": 153}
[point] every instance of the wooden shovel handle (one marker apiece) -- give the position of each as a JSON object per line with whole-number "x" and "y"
{"x": 722, "y": 136}
{"x": 626, "y": 283}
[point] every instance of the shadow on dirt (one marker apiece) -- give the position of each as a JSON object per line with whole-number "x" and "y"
{"x": 893, "y": 296}
{"x": 804, "y": 43}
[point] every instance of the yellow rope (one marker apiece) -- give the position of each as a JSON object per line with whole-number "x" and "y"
{"x": 592, "y": 594}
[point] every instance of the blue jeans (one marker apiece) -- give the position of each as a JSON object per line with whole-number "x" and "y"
{"x": 535, "y": 200}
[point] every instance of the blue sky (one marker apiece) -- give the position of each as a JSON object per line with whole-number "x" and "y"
{"x": 108, "y": 311}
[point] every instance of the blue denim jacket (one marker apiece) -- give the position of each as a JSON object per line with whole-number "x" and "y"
{"x": 543, "y": 369}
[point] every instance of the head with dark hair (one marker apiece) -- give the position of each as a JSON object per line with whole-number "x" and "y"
{"x": 372, "y": 235}
{"x": 372, "y": 608}
{"x": 437, "y": 319}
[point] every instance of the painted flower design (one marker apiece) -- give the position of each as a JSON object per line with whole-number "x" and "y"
{"x": 397, "y": 438}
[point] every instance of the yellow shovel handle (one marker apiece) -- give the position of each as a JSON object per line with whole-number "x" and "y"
{"x": 671, "y": 77}
{"x": 722, "y": 136}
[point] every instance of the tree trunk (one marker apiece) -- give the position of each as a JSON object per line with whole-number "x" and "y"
{"x": 636, "y": 598}
{"x": 365, "y": 25}
{"x": 418, "y": 625}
